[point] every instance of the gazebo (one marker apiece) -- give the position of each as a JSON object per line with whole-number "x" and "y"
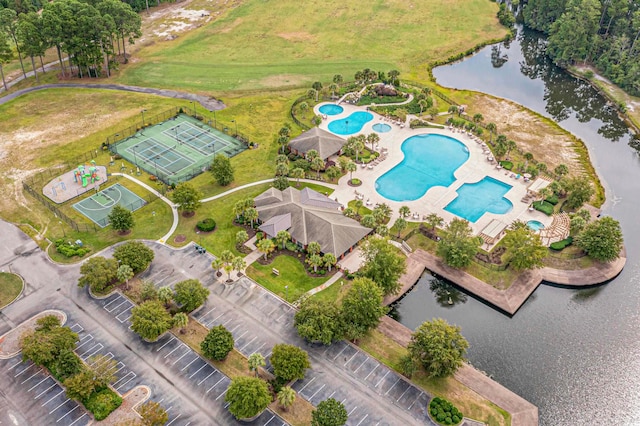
{"x": 326, "y": 143}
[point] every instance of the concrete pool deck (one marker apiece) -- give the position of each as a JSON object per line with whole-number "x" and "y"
{"x": 436, "y": 198}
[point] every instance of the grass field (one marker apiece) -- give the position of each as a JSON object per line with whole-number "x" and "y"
{"x": 247, "y": 48}
{"x": 10, "y": 288}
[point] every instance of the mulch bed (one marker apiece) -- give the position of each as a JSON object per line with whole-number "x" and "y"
{"x": 180, "y": 238}
{"x": 495, "y": 257}
{"x": 353, "y": 184}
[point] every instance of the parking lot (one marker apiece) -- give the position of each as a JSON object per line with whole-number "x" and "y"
{"x": 184, "y": 364}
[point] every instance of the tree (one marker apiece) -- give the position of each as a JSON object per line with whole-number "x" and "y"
{"x": 491, "y": 127}
{"x": 216, "y": 264}
{"x": 247, "y": 397}
{"x": 44, "y": 345}
{"x": 314, "y": 260}
{"x": 125, "y": 273}
{"x": 80, "y": 386}
{"x": 150, "y": 320}
{"x": 317, "y": 86}
{"x": 217, "y": 343}
{"x": 103, "y": 370}
{"x": 333, "y": 87}
{"x": 434, "y": 221}
{"x": 6, "y": 54}
{"x": 332, "y": 172}
{"x": 289, "y": 362}
{"x": 579, "y": 191}
{"x": 329, "y": 413}
{"x": 319, "y": 321}
{"x": 369, "y": 221}
{"x": 329, "y": 259}
{"x": 601, "y": 239}
{"x": 149, "y": 291}
{"x": 121, "y": 219}
{"x": 266, "y": 246}
{"x": 524, "y": 248}
{"x": 337, "y": 78}
{"x": 286, "y": 397}
{"x": 382, "y": 212}
{"x": 256, "y": 361}
{"x": 382, "y": 264}
{"x": 241, "y": 237}
{"x": 362, "y": 308}
{"x": 317, "y": 164}
{"x": 282, "y": 169}
{"x": 251, "y": 214}
{"x": 165, "y": 295}
{"x": 400, "y": 224}
{"x": 222, "y": 170}
{"x": 238, "y": 264}
{"x": 190, "y": 294}
{"x": 181, "y": 320}
{"x": 281, "y": 183}
{"x": 98, "y": 273}
{"x": 351, "y": 167}
{"x": 439, "y": 347}
{"x": 283, "y": 237}
{"x": 458, "y": 245}
{"x": 127, "y": 22}
{"x": 382, "y": 230}
{"x": 561, "y": 170}
{"x": 31, "y": 36}
{"x": 152, "y": 414}
{"x": 9, "y": 25}
{"x": 65, "y": 365}
{"x": 572, "y": 36}
{"x": 373, "y": 139}
{"x": 511, "y": 145}
{"x": 404, "y": 212}
{"x": 297, "y": 173}
{"x": 187, "y": 197}
{"x": 313, "y": 248}
{"x": 135, "y": 254}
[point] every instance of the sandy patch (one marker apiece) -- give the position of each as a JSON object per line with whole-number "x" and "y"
{"x": 180, "y": 21}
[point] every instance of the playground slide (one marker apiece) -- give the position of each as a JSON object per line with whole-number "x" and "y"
{"x": 84, "y": 181}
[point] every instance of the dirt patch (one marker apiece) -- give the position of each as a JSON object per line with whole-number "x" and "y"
{"x": 180, "y": 238}
{"x": 296, "y": 36}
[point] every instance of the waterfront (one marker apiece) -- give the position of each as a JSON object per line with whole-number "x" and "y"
{"x": 571, "y": 352}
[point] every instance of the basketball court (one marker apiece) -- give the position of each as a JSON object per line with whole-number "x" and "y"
{"x": 98, "y": 207}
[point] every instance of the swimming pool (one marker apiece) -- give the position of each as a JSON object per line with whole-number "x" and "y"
{"x": 351, "y": 124}
{"x": 381, "y": 128}
{"x": 429, "y": 160}
{"x": 331, "y": 109}
{"x": 476, "y": 199}
{"x": 535, "y": 225}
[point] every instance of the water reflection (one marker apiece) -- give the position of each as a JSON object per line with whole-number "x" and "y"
{"x": 446, "y": 295}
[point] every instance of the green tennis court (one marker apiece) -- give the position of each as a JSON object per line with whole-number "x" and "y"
{"x": 98, "y": 207}
{"x": 178, "y": 149}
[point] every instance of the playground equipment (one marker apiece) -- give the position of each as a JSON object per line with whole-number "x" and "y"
{"x": 86, "y": 173}
{"x": 59, "y": 185}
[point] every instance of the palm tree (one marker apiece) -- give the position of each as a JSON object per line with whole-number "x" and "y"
{"x": 226, "y": 256}
{"x": 165, "y": 295}
{"x": 285, "y": 130}
{"x": 283, "y": 140}
{"x": 491, "y": 127}
{"x": 404, "y": 211}
{"x": 337, "y": 78}
{"x": 423, "y": 104}
{"x": 385, "y": 211}
{"x": 501, "y": 139}
{"x": 312, "y": 93}
{"x": 241, "y": 237}
{"x": 282, "y": 159}
{"x": 400, "y": 224}
{"x": 228, "y": 267}
{"x": 317, "y": 164}
{"x": 528, "y": 157}
{"x": 477, "y": 118}
{"x": 286, "y": 397}
{"x": 542, "y": 167}
{"x": 329, "y": 259}
{"x": 251, "y": 214}
{"x": 282, "y": 237}
{"x": 217, "y": 264}
{"x": 368, "y": 221}
{"x": 181, "y": 320}
{"x": 393, "y": 76}
{"x": 433, "y": 220}
{"x": 561, "y": 170}
{"x": 317, "y": 86}
{"x": 453, "y": 109}
{"x": 238, "y": 209}
{"x": 313, "y": 248}
{"x": 382, "y": 230}
{"x": 304, "y": 107}
{"x": 334, "y": 88}
{"x": 358, "y": 205}
{"x": 314, "y": 260}
{"x": 358, "y": 145}
{"x": 378, "y": 216}
{"x": 359, "y": 76}
{"x": 311, "y": 154}
{"x": 373, "y": 139}
{"x": 256, "y": 360}
{"x": 238, "y": 264}
{"x": 125, "y": 273}
{"x": 266, "y": 246}
{"x": 282, "y": 169}
{"x": 510, "y": 146}
{"x": 297, "y": 174}
{"x": 351, "y": 167}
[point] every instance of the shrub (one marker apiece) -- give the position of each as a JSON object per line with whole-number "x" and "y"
{"x": 444, "y": 412}
{"x": 559, "y": 245}
{"x": 507, "y": 165}
{"x": 206, "y": 225}
{"x": 301, "y": 163}
{"x": 218, "y": 343}
{"x": 291, "y": 246}
{"x": 68, "y": 249}
{"x": 544, "y": 207}
{"x": 355, "y": 181}
{"x": 552, "y": 200}
{"x": 102, "y": 403}
{"x": 247, "y": 397}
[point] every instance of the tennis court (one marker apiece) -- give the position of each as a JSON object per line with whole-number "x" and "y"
{"x": 178, "y": 149}
{"x": 98, "y": 207}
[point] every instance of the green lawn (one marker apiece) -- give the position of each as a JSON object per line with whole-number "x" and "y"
{"x": 10, "y": 288}
{"x": 292, "y": 274}
{"x": 335, "y": 292}
{"x": 264, "y": 45}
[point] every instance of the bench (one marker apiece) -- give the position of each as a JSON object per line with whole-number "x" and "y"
{"x": 275, "y": 272}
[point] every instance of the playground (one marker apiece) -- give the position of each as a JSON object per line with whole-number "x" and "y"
{"x": 98, "y": 207}
{"x": 178, "y": 149}
{"x": 75, "y": 182}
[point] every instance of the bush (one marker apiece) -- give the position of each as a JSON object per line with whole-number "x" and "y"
{"x": 444, "y": 412}
{"x": 355, "y": 181}
{"x": 507, "y": 165}
{"x": 301, "y": 163}
{"x": 291, "y": 246}
{"x": 206, "y": 225}
{"x": 102, "y": 403}
{"x": 218, "y": 343}
{"x": 552, "y": 200}
{"x": 559, "y": 245}
{"x": 68, "y": 249}
{"x": 544, "y": 207}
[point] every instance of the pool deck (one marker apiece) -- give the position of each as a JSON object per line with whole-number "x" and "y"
{"x": 436, "y": 198}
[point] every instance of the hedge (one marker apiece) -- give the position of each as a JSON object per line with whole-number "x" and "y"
{"x": 102, "y": 403}
{"x": 68, "y": 249}
{"x": 444, "y": 412}
{"x": 544, "y": 207}
{"x": 507, "y": 165}
{"x": 206, "y": 225}
{"x": 552, "y": 200}
{"x": 559, "y": 245}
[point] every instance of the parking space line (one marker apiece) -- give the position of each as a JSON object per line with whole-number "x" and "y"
{"x": 37, "y": 384}
{"x": 182, "y": 356}
{"x": 235, "y": 328}
{"x": 30, "y": 377}
{"x": 260, "y": 347}
{"x": 357, "y": 352}
{"x": 310, "y": 381}
{"x": 220, "y": 396}
{"x": 52, "y": 398}
{"x": 345, "y": 347}
{"x": 227, "y": 321}
{"x": 248, "y": 343}
{"x": 405, "y": 391}
{"x": 380, "y": 381}
{"x": 416, "y": 400}
{"x": 78, "y": 419}
{"x": 77, "y": 325}
{"x": 394, "y": 385}
{"x": 45, "y": 391}
{"x": 216, "y": 384}
{"x": 354, "y": 409}
{"x": 246, "y": 331}
{"x": 105, "y": 358}
{"x": 213, "y": 320}
{"x": 65, "y": 401}
{"x": 68, "y": 412}
{"x": 363, "y": 419}
{"x": 94, "y": 352}
{"x": 134, "y": 376}
{"x": 210, "y": 374}
{"x": 316, "y": 392}
{"x": 15, "y": 365}
{"x": 24, "y": 371}
{"x": 90, "y": 339}
{"x": 122, "y": 303}
{"x": 208, "y": 312}
{"x": 365, "y": 360}
{"x": 85, "y": 336}
{"x": 176, "y": 418}
{"x": 166, "y": 343}
{"x": 113, "y": 301}
{"x": 118, "y": 370}
{"x": 174, "y": 349}
{"x": 124, "y": 320}
{"x": 205, "y": 364}
{"x": 269, "y": 421}
{"x": 187, "y": 366}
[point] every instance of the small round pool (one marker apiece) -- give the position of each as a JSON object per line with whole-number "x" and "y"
{"x": 381, "y": 127}
{"x": 535, "y": 225}
{"x": 331, "y": 109}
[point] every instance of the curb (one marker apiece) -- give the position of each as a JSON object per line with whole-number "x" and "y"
{"x": 36, "y": 316}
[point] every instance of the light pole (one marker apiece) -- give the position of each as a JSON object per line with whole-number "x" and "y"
{"x": 286, "y": 289}
{"x": 195, "y": 110}
{"x": 135, "y": 158}
{"x": 236, "y": 123}
{"x": 142, "y": 112}
{"x": 176, "y": 130}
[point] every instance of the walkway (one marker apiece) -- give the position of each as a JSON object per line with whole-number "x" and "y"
{"x": 211, "y": 104}
{"x": 338, "y": 275}
{"x": 260, "y": 182}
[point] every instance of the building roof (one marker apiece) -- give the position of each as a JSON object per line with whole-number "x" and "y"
{"x": 538, "y": 184}
{"x": 312, "y": 217}
{"x": 326, "y": 143}
{"x": 494, "y": 228}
